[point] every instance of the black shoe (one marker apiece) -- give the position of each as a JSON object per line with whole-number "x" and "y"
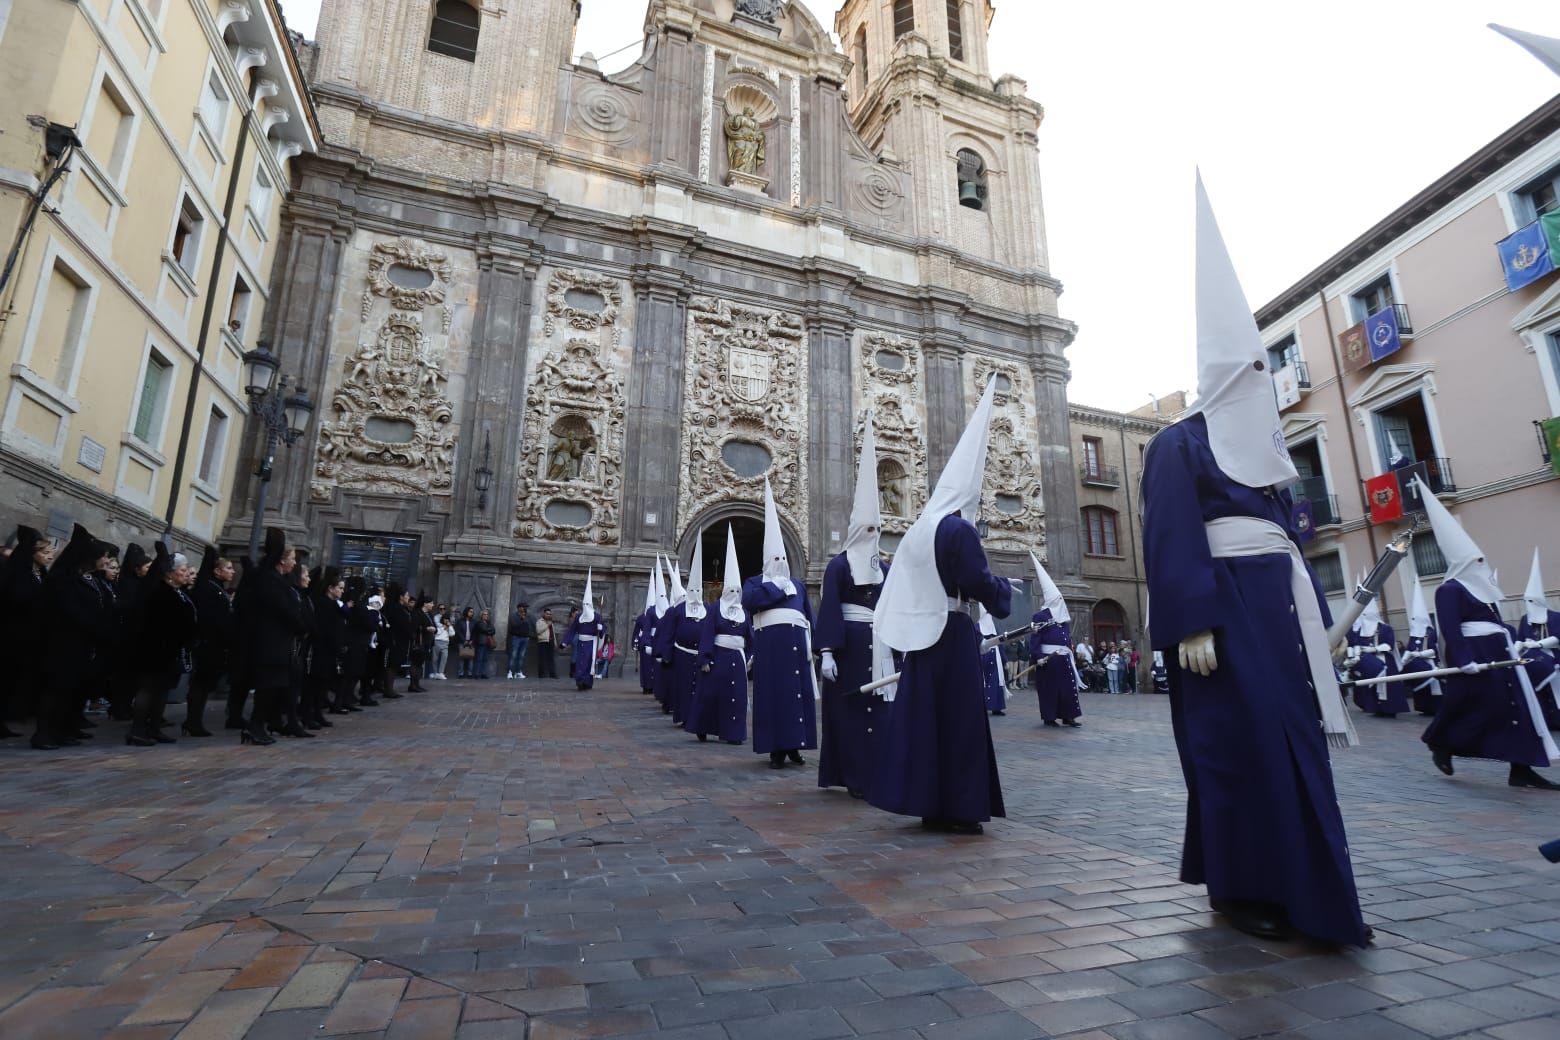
{"x": 6, "y": 732}
{"x": 310, "y": 724}
{"x": 323, "y": 723}
{"x": 855, "y": 793}
{"x": 351, "y": 708}
{"x": 368, "y": 702}
{"x": 1524, "y": 776}
{"x": 194, "y": 731}
{"x": 999, "y": 713}
{"x": 702, "y": 737}
{"x": 1074, "y": 723}
{"x": 391, "y": 695}
{"x": 932, "y": 823}
{"x": 163, "y": 738}
{"x": 340, "y": 711}
{"x": 69, "y": 742}
{"x": 256, "y": 735}
{"x": 39, "y": 744}
{"x": 796, "y": 758}
{"x": 1442, "y": 760}
{"x": 417, "y": 689}
{"x": 1054, "y": 724}
{"x": 965, "y": 827}
{"x": 136, "y": 740}
{"x": 1255, "y": 919}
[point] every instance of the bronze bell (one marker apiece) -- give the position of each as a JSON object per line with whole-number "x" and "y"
{"x": 969, "y": 195}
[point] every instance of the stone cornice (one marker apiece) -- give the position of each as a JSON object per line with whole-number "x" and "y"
{"x": 1115, "y": 420}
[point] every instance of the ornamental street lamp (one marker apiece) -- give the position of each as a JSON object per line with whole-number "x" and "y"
{"x": 286, "y": 417}
{"x": 484, "y": 473}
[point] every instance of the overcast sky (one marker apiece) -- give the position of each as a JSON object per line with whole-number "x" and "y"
{"x": 1310, "y": 121}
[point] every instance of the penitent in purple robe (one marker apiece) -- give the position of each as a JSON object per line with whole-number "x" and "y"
{"x": 1484, "y": 715}
{"x": 644, "y": 624}
{"x": 936, "y": 759}
{"x": 1056, "y": 683}
{"x": 1387, "y": 698}
{"x": 1262, "y": 817}
{"x": 852, "y": 720}
{"x": 720, "y": 695}
{"x": 784, "y": 714}
{"x": 1425, "y": 692}
{"x": 1544, "y": 671}
{"x": 582, "y": 638}
{"x": 991, "y": 676}
{"x": 677, "y": 647}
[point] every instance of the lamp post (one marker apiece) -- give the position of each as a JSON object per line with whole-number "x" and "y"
{"x": 285, "y": 416}
{"x": 983, "y": 529}
{"x": 484, "y": 472}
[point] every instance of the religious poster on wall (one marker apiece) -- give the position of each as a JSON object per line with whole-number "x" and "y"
{"x": 1354, "y": 347}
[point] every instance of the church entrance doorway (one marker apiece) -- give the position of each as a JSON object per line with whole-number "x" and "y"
{"x": 746, "y": 522}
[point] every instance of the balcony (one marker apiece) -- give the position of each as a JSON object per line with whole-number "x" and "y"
{"x": 1100, "y": 476}
{"x": 1324, "y": 507}
{"x": 1302, "y": 374}
{"x": 1441, "y": 482}
{"x": 1405, "y": 327}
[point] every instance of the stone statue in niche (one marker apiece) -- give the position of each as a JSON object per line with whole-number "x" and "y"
{"x": 764, "y": 10}
{"x": 573, "y": 453}
{"x": 891, "y": 489}
{"x": 744, "y": 142}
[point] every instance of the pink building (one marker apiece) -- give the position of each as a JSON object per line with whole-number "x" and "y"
{"x": 1411, "y": 343}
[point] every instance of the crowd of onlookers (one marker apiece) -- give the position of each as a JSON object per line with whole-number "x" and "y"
{"x": 1112, "y": 667}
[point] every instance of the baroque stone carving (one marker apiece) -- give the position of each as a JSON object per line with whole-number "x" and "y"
{"x": 568, "y": 293}
{"x": 879, "y": 191}
{"x": 744, "y": 141}
{"x": 1012, "y": 502}
{"x": 707, "y": 114}
{"x": 796, "y": 142}
{"x": 573, "y": 448}
{"x": 744, "y": 382}
{"x": 428, "y": 291}
{"x": 891, "y": 381}
{"x": 763, "y": 10}
{"x": 604, "y": 112}
{"x": 393, "y": 386}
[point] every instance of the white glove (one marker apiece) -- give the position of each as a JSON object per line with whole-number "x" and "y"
{"x": 831, "y": 671}
{"x": 1196, "y": 653}
{"x": 1469, "y": 669}
{"x": 1383, "y": 648}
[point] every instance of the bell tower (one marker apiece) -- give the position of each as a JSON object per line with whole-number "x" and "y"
{"x": 921, "y": 91}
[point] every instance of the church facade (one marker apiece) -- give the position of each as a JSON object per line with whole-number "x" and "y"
{"x": 556, "y": 318}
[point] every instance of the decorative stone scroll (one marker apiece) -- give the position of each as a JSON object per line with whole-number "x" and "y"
{"x": 571, "y": 300}
{"x": 571, "y": 484}
{"x": 391, "y": 432}
{"x": 891, "y": 380}
{"x": 411, "y": 275}
{"x": 1012, "y": 501}
{"x": 746, "y": 409}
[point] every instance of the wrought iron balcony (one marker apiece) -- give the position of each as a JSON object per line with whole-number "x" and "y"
{"x": 1100, "y": 476}
{"x": 1324, "y": 507}
{"x": 1405, "y": 327}
{"x": 1441, "y": 482}
{"x": 1302, "y": 374}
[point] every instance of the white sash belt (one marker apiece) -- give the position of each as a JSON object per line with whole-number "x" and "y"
{"x": 853, "y": 612}
{"x": 1232, "y": 536}
{"x": 1054, "y": 648}
{"x": 731, "y": 642}
{"x": 1478, "y": 629}
{"x": 786, "y": 616}
{"x": 584, "y": 639}
{"x": 1058, "y": 650}
{"x": 685, "y": 650}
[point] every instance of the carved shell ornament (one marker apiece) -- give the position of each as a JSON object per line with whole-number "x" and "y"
{"x": 743, "y": 96}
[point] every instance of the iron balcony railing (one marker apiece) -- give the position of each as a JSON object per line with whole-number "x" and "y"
{"x": 1441, "y": 482}
{"x": 1100, "y": 476}
{"x": 1302, "y": 374}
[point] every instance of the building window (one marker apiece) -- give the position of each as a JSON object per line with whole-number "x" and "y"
{"x": 238, "y": 306}
{"x": 1307, "y": 457}
{"x": 108, "y": 142}
{"x": 1537, "y": 197}
{"x": 1329, "y": 571}
{"x": 1099, "y": 526}
{"x": 972, "y": 179}
{"x": 956, "y": 29}
{"x": 1092, "y": 461}
{"x": 1285, "y": 352}
{"x": 186, "y": 236}
{"x": 214, "y": 104}
{"x": 260, "y": 198}
{"x": 1373, "y": 299}
{"x": 1110, "y": 622}
{"x": 211, "y": 452}
{"x": 1427, "y": 554}
{"x": 456, "y": 25}
{"x": 153, "y": 401}
{"x": 904, "y": 17}
{"x": 1404, "y": 437}
{"x": 62, "y": 325}
{"x": 858, "y": 54}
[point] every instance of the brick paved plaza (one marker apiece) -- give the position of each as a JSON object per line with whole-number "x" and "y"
{"x": 508, "y": 860}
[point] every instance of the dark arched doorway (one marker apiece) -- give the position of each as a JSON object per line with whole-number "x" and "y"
{"x": 746, "y": 523}
{"x": 1110, "y": 622}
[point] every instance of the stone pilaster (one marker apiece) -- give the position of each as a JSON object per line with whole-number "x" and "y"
{"x": 832, "y": 453}
{"x": 1057, "y": 476}
{"x": 655, "y": 408}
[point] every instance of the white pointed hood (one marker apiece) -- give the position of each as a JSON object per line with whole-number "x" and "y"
{"x": 1051, "y": 597}
{"x": 678, "y": 593}
{"x": 694, "y": 603}
{"x": 1414, "y": 599}
{"x": 1545, "y": 48}
{"x": 731, "y": 582}
{"x": 913, "y": 608}
{"x": 866, "y": 517}
{"x": 650, "y": 590}
{"x": 1537, "y": 602}
{"x": 1394, "y": 453}
{"x": 588, "y": 604}
{"x": 1234, "y": 386}
{"x": 1464, "y": 560}
{"x": 777, "y": 568}
{"x": 662, "y": 603}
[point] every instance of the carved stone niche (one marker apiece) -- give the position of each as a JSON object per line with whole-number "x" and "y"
{"x": 391, "y": 431}
{"x": 745, "y": 409}
{"x": 1012, "y": 502}
{"x": 571, "y": 483}
{"x": 410, "y": 274}
{"x": 891, "y": 389}
{"x": 583, "y": 300}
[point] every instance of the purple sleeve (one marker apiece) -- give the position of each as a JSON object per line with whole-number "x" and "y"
{"x": 961, "y": 563}
{"x": 829, "y": 631}
{"x": 1449, "y": 612}
{"x": 1182, "y": 585}
{"x": 758, "y": 594}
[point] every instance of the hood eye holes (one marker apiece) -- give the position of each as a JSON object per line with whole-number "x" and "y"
{"x": 1258, "y": 365}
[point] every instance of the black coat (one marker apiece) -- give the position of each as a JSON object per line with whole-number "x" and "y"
{"x": 169, "y": 631}
{"x": 79, "y": 621}
{"x": 328, "y": 638}
{"x": 273, "y": 617}
{"x": 398, "y": 623}
{"x": 217, "y": 628}
{"x": 362, "y": 623}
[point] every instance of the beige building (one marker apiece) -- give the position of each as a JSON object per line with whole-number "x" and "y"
{"x": 144, "y": 157}
{"x": 1108, "y": 449}
{"x": 1409, "y": 343}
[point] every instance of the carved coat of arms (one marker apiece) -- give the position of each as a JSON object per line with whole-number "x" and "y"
{"x": 748, "y": 373}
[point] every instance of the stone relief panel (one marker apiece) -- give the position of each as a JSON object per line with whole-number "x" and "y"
{"x": 390, "y": 429}
{"x": 604, "y": 112}
{"x": 889, "y": 378}
{"x": 745, "y": 406}
{"x": 1012, "y": 502}
{"x": 571, "y": 451}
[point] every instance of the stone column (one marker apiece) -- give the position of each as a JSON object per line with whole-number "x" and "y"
{"x": 1057, "y": 476}
{"x": 832, "y": 420}
{"x": 653, "y": 431}
{"x": 944, "y": 404}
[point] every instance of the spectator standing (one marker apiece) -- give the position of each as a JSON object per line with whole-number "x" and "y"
{"x": 423, "y": 631}
{"x": 546, "y": 644}
{"x": 442, "y": 632}
{"x": 214, "y": 613}
{"x": 163, "y": 651}
{"x": 1112, "y": 667}
{"x": 486, "y": 644}
{"x": 519, "y": 638}
{"x": 466, "y": 641}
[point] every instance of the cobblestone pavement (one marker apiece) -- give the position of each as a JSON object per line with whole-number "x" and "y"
{"x": 510, "y": 859}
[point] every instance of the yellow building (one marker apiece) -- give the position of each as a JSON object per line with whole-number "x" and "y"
{"x": 144, "y": 157}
